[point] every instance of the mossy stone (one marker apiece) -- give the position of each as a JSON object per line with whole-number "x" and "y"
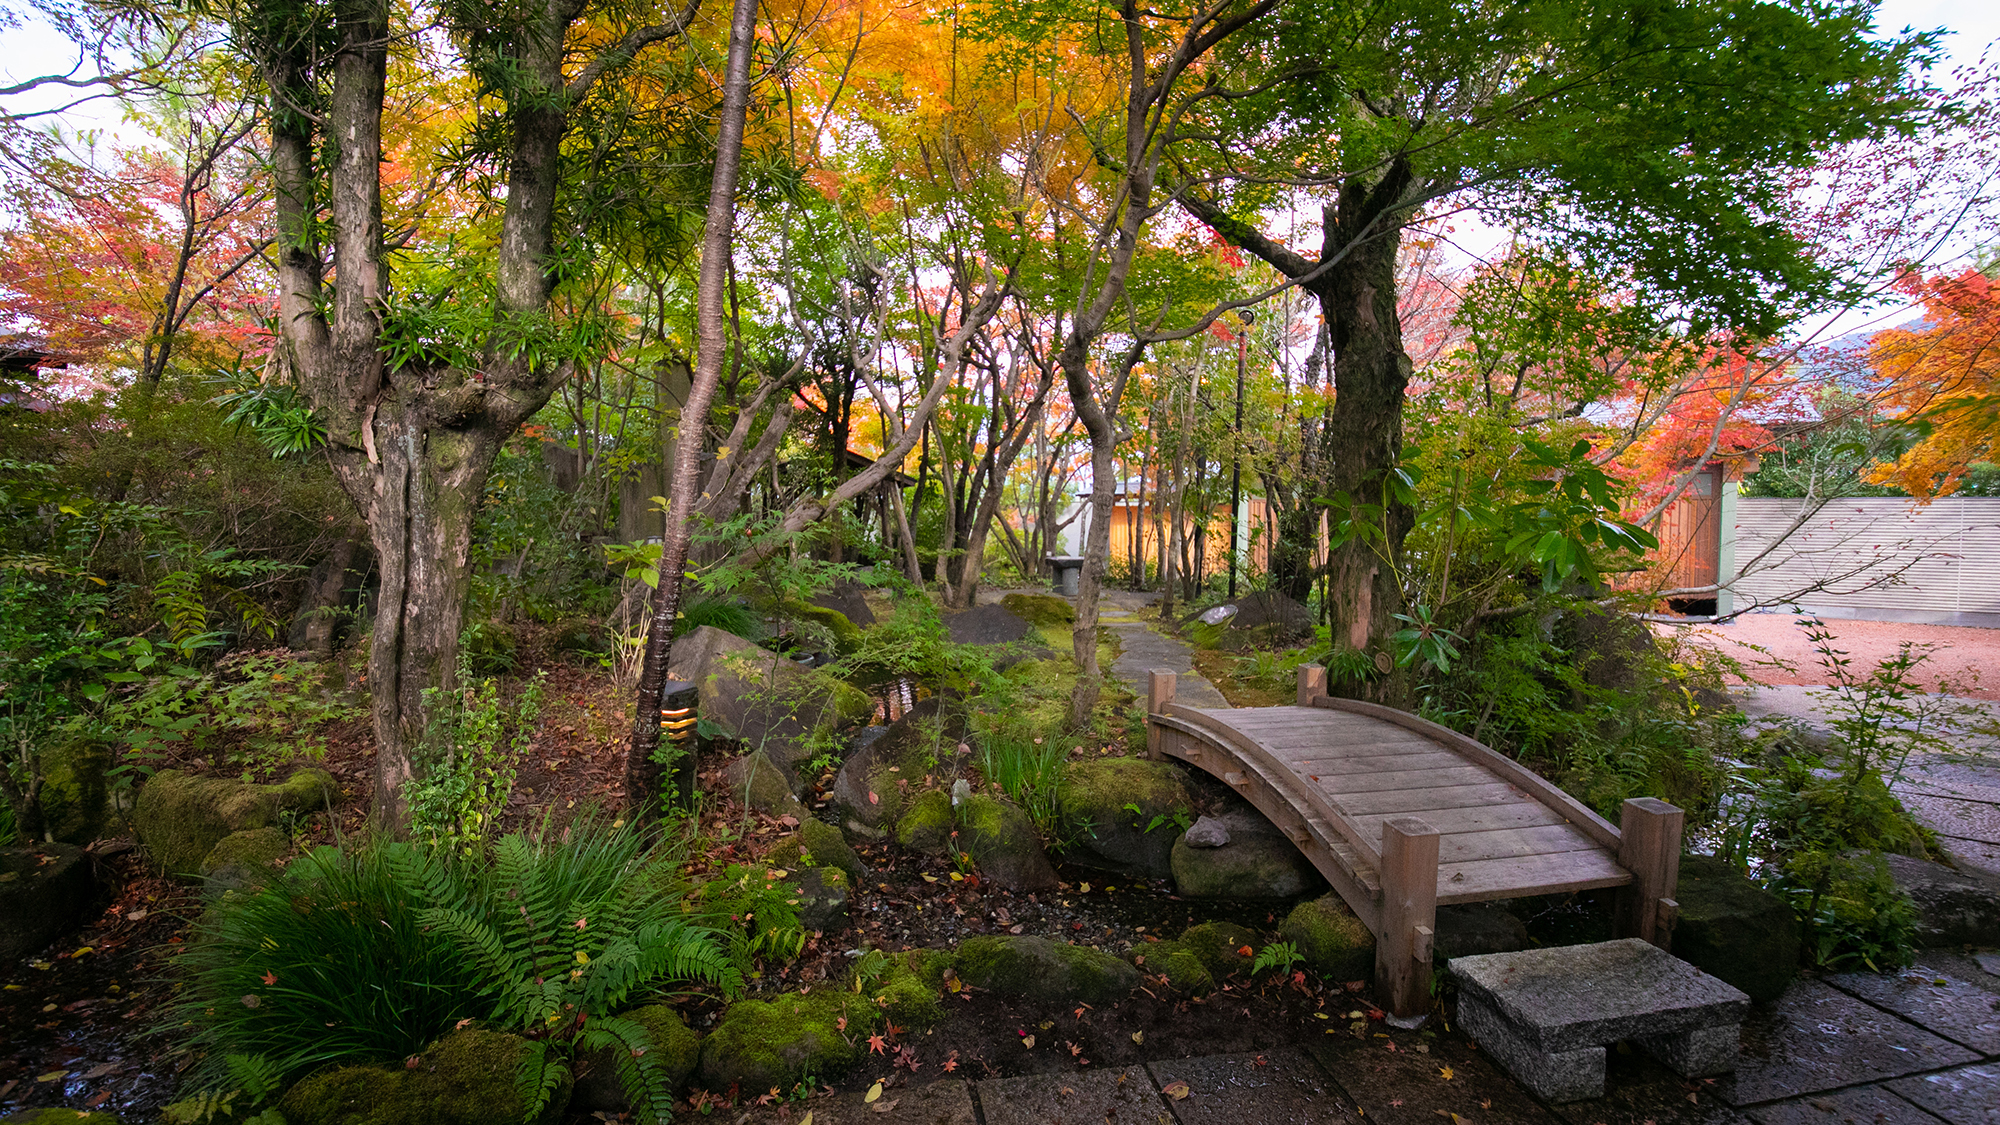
{"x": 180, "y": 818}
{"x": 1122, "y": 814}
{"x": 1333, "y": 941}
{"x": 1040, "y": 969}
{"x": 846, "y": 634}
{"x": 907, "y": 997}
{"x": 1002, "y": 840}
{"x": 827, "y": 847}
{"x": 1735, "y": 930}
{"x": 762, "y": 1044}
{"x": 822, "y": 896}
{"x": 243, "y": 860}
{"x": 764, "y": 785}
{"x": 1219, "y": 946}
{"x": 466, "y": 1078}
{"x": 75, "y": 802}
{"x": 927, "y": 824}
{"x": 59, "y": 1115}
{"x": 1040, "y": 609}
{"x": 1183, "y": 970}
{"x": 675, "y": 1052}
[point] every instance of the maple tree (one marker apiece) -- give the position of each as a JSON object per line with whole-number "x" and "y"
{"x": 1943, "y": 376}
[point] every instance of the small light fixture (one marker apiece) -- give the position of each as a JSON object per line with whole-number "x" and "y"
{"x": 680, "y": 713}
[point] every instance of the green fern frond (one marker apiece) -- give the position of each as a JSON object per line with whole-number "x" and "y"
{"x": 638, "y": 1067}
{"x": 538, "y": 1079}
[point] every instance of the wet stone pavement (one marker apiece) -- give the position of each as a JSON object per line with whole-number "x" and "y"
{"x": 1919, "y": 1047}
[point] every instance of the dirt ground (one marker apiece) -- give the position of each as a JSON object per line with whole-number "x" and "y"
{"x": 1774, "y": 650}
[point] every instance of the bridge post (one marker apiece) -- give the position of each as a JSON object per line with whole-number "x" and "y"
{"x": 1409, "y": 916}
{"x": 1312, "y": 681}
{"x": 1159, "y": 693}
{"x": 1649, "y": 846}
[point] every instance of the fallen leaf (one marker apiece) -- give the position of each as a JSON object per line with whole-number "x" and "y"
{"x": 885, "y": 1107}
{"x": 876, "y": 1044}
{"x": 1085, "y": 889}
{"x": 1444, "y": 1072}
{"x": 1176, "y": 1090}
{"x": 48, "y": 1007}
{"x": 1028, "y": 1041}
{"x": 1245, "y": 951}
{"x": 270, "y": 978}
{"x": 138, "y": 915}
{"x": 873, "y": 1095}
{"x": 873, "y": 799}
{"x": 51, "y": 1076}
{"x": 1138, "y": 1037}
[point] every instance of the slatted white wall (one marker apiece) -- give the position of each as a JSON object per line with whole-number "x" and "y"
{"x": 1884, "y": 558}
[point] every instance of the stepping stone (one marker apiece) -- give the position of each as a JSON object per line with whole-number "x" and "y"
{"x": 1547, "y": 1014}
{"x": 1088, "y": 1098}
{"x": 1816, "y": 1038}
{"x": 1281, "y": 1087}
{"x": 1969, "y": 1095}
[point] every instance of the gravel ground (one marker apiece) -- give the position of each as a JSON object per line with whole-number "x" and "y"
{"x": 1767, "y": 643}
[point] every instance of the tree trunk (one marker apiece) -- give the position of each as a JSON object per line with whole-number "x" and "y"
{"x": 315, "y": 625}
{"x": 642, "y": 773}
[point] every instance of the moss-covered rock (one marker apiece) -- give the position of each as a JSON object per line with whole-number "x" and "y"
{"x": 59, "y": 1115}
{"x": 1124, "y": 814}
{"x": 1002, "y": 840}
{"x": 1257, "y": 863}
{"x": 763, "y": 699}
{"x": 824, "y": 846}
{"x": 761, "y": 1044}
{"x": 1044, "y": 610}
{"x": 1040, "y": 969}
{"x": 76, "y": 807}
{"x": 675, "y": 1051}
{"x": 466, "y": 1078}
{"x": 865, "y": 793}
{"x": 1333, "y": 941}
{"x": 846, "y": 634}
{"x": 1183, "y": 970}
{"x": 822, "y": 896}
{"x": 242, "y": 860}
{"x": 764, "y": 785}
{"x": 1220, "y": 947}
{"x": 908, "y": 994}
{"x": 927, "y": 823}
{"x": 1735, "y": 930}
{"x": 180, "y": 818}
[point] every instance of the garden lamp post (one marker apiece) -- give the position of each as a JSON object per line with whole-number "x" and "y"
{"x": 679, "y": 713}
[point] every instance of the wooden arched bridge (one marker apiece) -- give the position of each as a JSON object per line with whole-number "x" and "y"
{"x": 1402, "y": 816}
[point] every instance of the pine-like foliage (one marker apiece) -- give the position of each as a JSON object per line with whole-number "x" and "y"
{"x": 565, "y": 931}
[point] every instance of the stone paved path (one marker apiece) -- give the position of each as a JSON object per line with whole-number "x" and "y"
{"x": 1141, "y": 647}
{"x": 1920, "y": 1047}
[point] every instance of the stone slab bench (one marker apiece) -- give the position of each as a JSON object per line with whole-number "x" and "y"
{"x": 1547, "y": 1014}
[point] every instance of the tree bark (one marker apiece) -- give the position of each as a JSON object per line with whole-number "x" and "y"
{"x": 642, "y": 773}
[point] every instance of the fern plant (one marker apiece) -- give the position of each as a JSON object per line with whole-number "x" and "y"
{"x": 569, "y": 930}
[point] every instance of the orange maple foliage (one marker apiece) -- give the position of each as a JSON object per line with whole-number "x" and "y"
{"x": 1944, "y": 373}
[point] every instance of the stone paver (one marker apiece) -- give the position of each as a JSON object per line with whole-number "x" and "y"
{"x": 1969, "y": 1095}
{"x": 1941, "y": 993}
{"x": 1274, "y": 1088}
{"x": 1408, "y": 1087}
{"x": 1866, "y": 1105}
{"x": 1816, "y": 1038}
{"x": 939, "y": 1103}
{"x": 1125, "y": 1096}
{"x": 1641, "y": 1090}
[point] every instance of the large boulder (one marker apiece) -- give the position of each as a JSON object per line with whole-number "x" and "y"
{"x": 1953, "y": 908}
{"x": 180, "y": 817}
{"x": 1043, "y": 610}
{"x": 466, "y": 1078}
{"x": 849, "y": 599}
{"x": 1734, "y": 930}
{"x": 44, "y": 891}
{"x": 987, "y": 625}
{"x": 998, "y": 835}
{"x": 870, "y": 791}
{"x": 675, "y": 1051}
{"x": 1222, "y": 947}
{"x": 1257, "y": 862}
{"x": 762, "y": 699}
{"x": 1124, "y": 814}
{"x": 1039, "y": 969}
{"x": 76, "y": 807}
{"x": 1333, "y": 941}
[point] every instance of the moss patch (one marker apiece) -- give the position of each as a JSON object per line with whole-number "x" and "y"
{"x": 1735, "y": 930}
{"x": 1183, "y": 970}
{"x": 675, "y": 1052}
{"x": 822, "y": 845}
{"x": 466, "y": 1078}
{"x": 1040, "y": 609}
{"x": 1333, "y": 941}
{"x": 1040, "y": 969}
{"x": 180, "y": 818}
{"x": 1002, "y": 840}
{"x": 760, "y": 1044}
{"x": 1124, "y": 814}
{"x": 59, "y": 1115}
{"x": 1219, "y": 947}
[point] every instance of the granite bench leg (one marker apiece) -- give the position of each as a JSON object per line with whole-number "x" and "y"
{"x": 1702, "y": 1052}
{"x": 1554, "y": 1076}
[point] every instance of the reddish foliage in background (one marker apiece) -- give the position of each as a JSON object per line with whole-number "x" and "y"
{"x": 1945, "y": 373}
